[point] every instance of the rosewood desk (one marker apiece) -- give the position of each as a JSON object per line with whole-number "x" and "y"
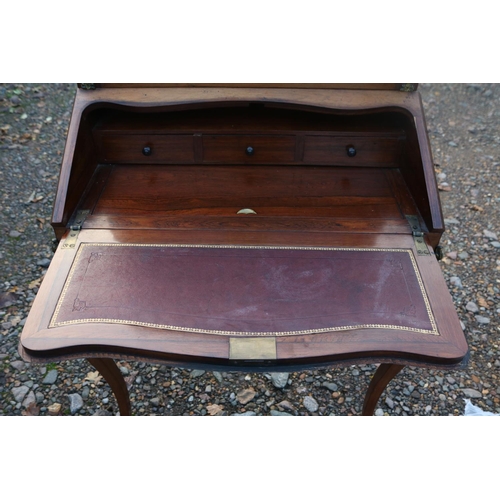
{"x": 257, "y": 228}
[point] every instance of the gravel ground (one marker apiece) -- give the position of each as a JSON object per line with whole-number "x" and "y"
{"x": 463, "y": 122}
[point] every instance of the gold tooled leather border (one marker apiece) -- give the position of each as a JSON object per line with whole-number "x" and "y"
{"x": 433, "y": 331}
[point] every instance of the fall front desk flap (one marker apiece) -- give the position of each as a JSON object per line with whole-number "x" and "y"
{"x": 245, "y": 291}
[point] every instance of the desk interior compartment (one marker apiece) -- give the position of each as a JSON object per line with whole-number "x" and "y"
{"x": 301, "y": 174}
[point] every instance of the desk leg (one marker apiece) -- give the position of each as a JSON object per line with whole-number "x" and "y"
{"x": 384, "y": 374}
{"x": 111, "y": 373}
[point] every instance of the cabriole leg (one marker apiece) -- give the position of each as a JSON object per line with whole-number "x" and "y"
{"x": 384, "y": 374}
{"x": 111, "y": 373}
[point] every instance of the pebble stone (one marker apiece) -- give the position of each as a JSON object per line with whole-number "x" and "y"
{"x": 19, "y": 393}
{"x": 18, "y": 365}
{"x": 331, "y": 386}
{"x": 472, "y": 307}
{"x": 286, "y": 405}
{"x": 245, "y": 395}
{"x": 279, "y": 380}
{"x": 54, "y": 408}
{"x": 472, "y": 393}
{"x": 50, "y": 378}
{"x": 490, "y": 234}
{"x": 102, "y": 413}
{"x": 482, "y": 320}
{"x": 75, "y": 402}
{"x": 29, "y": 399}
{"x": 311, "y": 404}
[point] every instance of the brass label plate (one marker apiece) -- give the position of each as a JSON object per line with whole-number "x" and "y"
{"x": 255, "y": 348}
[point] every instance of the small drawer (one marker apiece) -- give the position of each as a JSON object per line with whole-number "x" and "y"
{"x": 256, "y": 149}
{"x": 352, "y": 151}
{"x": 149, "y": 149}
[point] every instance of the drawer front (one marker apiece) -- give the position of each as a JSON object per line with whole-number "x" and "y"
{"x": 352, "y": 151}
{"x": 122, "y": 148}
{"x": 256, "y": 149}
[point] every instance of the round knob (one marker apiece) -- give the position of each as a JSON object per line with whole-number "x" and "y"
{"x": 351, "y": 151}
{"x": 146, "y": 151}
{"x": 250, "y": 151}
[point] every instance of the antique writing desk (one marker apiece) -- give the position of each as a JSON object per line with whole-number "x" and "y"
{"x": 252, "y": 228}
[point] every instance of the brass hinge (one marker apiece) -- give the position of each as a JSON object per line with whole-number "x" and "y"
{"x": 407, "y": 87}
{"x": 74, "y": 229}
{"x": 87, "y": 86}
{"x": 418, "y": 235}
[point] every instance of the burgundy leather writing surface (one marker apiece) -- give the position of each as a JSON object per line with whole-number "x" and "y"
{"x": 245, "y": 290}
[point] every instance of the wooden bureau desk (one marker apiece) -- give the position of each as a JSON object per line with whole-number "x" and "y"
{"x": 257, "y": 228}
